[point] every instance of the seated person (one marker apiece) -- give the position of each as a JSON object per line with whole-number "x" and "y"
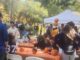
{"x": 44, "y": 41}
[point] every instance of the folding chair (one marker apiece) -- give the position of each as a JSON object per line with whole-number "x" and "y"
{"x": 14, "y": 57}
{"x": 33, "y": 58}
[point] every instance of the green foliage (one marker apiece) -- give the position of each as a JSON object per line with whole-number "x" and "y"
{"x": 56, "y": 6}
{"x": 25, "y": 9}
{"x": 36, "y": 10}
{"x": 33, "y": 10}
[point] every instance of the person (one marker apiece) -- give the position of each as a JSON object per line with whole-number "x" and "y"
{"x": 44, "y": 41}
{"x": 54, "y": 32}
{"x": 11, "y": 43}
{"x": 36, "y": 29}
{"x": 49, "y": 30}
{"x": 61, "y": 28}
{"x": 3, "y": 39}
{"x": 71, "y": 24}
{"x": 14, "y": 30}
{"x": 66, "y": 41}
{"x": 21, "y": 30}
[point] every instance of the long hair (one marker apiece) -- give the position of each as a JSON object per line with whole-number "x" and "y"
{"x": 67, "y": 28}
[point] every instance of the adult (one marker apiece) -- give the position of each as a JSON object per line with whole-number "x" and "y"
{"x": 49, "y": 30}
{"x": 14, "y": 30}
{"x": 67, "y": 42}
{"x": 54, "y": 32}
{"x": 44, "y": 41}
{"x": 3, "y": 39}
{"x": 61, "y": 28}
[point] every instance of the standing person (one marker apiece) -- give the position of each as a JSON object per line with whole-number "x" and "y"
{"x": 3, "y": 39}
{"x": 66, "y": 41}
{"x": 36, "y": 29}
{"x": 49, "y": 30}
{"x": 14, "y": 30}
{"x": 54, "y": 32}
{"x": 61, "y": 28}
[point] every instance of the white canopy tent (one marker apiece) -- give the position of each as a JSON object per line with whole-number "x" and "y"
{"x": 64, "y": 17}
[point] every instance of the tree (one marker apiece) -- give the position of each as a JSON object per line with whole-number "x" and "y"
{"x": 37, "y": 10}
{"x": 33, "y": 10}
{"x": 56, "y": 6}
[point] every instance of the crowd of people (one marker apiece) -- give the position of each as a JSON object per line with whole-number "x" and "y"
{"x": 65, "y": 38}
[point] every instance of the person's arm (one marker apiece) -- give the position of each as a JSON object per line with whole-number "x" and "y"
{"x": 5, "y": 36}
{"x": 59, "y": 40}
{"x": 17, "y": 33}
{"x": 56, "y": 40}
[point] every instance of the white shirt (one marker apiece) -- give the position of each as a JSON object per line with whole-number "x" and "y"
{"x": 14, "y": 31}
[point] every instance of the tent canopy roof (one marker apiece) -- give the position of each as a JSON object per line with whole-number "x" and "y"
{"x": 64, "y": 17}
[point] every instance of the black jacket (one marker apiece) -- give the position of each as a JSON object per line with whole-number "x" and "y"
{"x": 67, "y": 45}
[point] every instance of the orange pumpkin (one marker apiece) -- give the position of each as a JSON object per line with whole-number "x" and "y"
{"x": 34, "y": 50}
{"x": 21, "y": 49}
{"x": 46, "y": 50}
{"x": 54, "y": 52}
